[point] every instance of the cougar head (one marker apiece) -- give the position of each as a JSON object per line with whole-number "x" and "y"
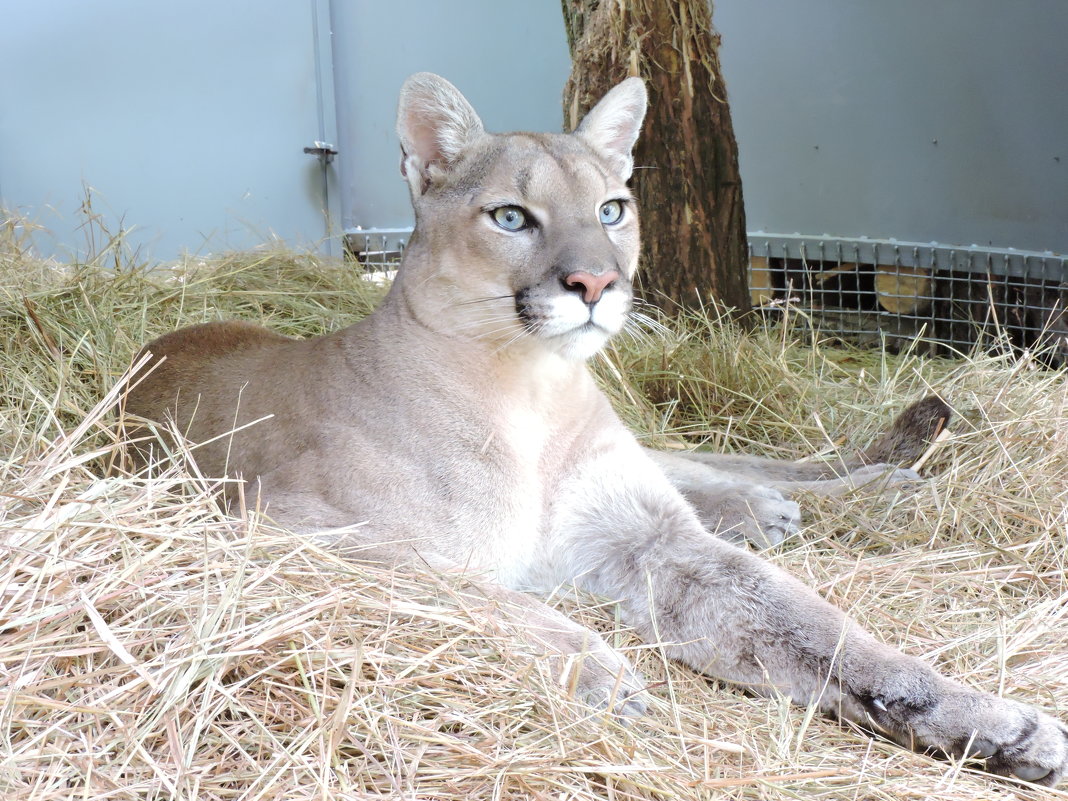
{"x": 521, "y": 240}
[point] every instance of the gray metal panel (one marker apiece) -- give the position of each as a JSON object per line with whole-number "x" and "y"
{"x": 188, "y": 119}
{"x": 912, "y": 119}
{"x": 509, "y": 59}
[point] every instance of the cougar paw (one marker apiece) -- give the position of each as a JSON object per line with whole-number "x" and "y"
{"x": 925, "y": 711}
{"x": 1034, "y": 748}
{"x": 1010, "y": 738}
{"x": 603, "y": 679}
{"x": 624, "y": 699}
{"x": 751, "y": 513}
{"x": 884, "y": 476}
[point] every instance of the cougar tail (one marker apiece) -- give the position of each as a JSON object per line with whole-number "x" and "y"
{"x": 910, "y": 434}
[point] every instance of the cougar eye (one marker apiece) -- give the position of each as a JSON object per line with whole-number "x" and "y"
{"x": 510, "y": 218}
{"x": 612, "y": 212}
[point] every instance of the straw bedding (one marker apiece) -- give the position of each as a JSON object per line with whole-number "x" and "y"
{"x": 152, "y": 648}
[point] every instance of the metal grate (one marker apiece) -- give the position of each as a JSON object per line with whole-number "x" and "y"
{"x": 876, "y": 292}
{"x": 378, "y": 250}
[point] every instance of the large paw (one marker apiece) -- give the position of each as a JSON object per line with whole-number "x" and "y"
{"x": 750, "y": 513}
{"x": 1027, "y": 744}
{"x": 1010, "y": 738}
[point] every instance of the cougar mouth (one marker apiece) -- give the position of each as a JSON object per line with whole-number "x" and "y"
{"x": 538, "y": 323}
{"x": 544, "y": 317}
{"x": 574, "y": 329}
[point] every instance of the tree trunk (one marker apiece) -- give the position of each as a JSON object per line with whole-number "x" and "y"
{"x": 686, "y": 160}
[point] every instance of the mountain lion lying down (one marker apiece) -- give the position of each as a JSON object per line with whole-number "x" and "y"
{"x": 458, "y": 426}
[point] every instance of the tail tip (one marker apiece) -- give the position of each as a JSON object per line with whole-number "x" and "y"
{"x": 912, "y": 431}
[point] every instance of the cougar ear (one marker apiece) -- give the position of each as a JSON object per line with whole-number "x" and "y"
{"x": 435, "y": 123}
{"x": 613, "y": 125}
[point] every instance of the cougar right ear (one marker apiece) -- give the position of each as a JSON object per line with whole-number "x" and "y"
{"x": 435, "y": 124}
{"x": 612, "y": 126}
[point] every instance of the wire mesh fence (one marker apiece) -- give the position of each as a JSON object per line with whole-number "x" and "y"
{"x": 880, "y": 293}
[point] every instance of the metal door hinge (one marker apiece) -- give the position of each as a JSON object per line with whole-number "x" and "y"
{"x": 323, "y": 151}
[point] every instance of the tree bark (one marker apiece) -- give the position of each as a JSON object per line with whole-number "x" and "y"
{"x": 686, "y": 161}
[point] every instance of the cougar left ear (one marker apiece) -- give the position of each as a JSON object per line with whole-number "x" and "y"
{"x": 612, "y": 126}
{"x": 435, "y": 124}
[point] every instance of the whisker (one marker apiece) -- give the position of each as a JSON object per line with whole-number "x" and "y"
{"x": 635, "y": 332}
{"x": 522, "y": 332}
{"x": 471, "y": 324}
{"x": 639, "y": 303}
{"x": 651, "y": 331}
{"x": 482, "y": 335}
{"x": 482, "y": 332}
{"x": 633, "y": 326}
{"x": 485, "y": 300}
{"x": 650, "y": 324}
{"x": 653, "y": 320}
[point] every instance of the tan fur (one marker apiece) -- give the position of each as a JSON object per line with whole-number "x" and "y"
{"x": 458, "y": 425}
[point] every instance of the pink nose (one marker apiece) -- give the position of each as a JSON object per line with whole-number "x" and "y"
{"x": 591, "y": 285}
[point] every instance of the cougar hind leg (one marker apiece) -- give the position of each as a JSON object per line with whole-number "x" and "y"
{"x": 904, "y": 442}
{"x": 747, "y": 498}
{"x": 885, "y": 463}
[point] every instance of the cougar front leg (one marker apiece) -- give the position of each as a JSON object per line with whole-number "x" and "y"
{"x": 599, "y": 675}
{"x": 730, "y": 614}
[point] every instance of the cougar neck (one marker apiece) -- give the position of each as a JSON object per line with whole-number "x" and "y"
{"x": 523, "y": 365}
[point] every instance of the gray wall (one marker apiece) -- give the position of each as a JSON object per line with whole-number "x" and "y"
{"x": 187, "y": 119}
{"x": 922, "y": 120}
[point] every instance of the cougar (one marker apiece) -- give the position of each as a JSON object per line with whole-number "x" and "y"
{"x": 459, "y": 426}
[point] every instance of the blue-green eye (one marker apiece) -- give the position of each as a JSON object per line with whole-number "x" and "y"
{"x": 612, "y": 212}
{"x": 510, "y": 218}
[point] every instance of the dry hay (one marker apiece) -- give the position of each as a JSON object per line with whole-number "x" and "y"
{"x": 152, "y": 648}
